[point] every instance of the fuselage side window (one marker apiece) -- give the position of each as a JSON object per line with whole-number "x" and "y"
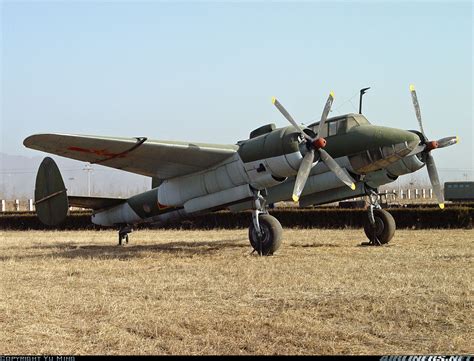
{"x": 332, "y": 128}
{"x": 341, "y": 126}
{"x": 351, "y": 123}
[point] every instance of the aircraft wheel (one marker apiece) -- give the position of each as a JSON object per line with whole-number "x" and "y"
{"x": 270, "y": 240}
{"x": 384, "y": 228}
{"x": 123, "y": 237}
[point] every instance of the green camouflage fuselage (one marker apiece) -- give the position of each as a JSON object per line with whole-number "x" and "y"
{"x": 269, "y": 161}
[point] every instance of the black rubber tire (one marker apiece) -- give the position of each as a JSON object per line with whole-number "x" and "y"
{"x": 123, "y": 238}
{"x": 272, "y": 235}
{"x": 385, "y": 227}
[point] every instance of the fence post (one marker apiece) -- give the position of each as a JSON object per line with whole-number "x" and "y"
{"x": 30, "y": 205}
{"x": 17, "y": 205}
{"x": 401, "y": 193}
{"x": 409, "y": 193}
{"x": 431, "y": 193}
{"x": 423, "y": 193}
{"x": 3, "y": 205}
{"x": 417, "y": 193}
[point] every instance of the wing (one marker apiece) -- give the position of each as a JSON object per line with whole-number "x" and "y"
{"x": 153, "y": 158}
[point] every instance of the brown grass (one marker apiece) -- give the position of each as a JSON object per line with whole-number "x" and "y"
{"x": 202, "y": 292}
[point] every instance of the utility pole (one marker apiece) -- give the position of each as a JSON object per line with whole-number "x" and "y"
{"x": 89, "y": 169}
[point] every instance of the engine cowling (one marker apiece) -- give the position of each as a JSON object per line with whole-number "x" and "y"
{"x": 379, "y": 178}
{"x": 271, "y": 157}
{"x": 262, "y": 161}
{"x": 405, "y": 165}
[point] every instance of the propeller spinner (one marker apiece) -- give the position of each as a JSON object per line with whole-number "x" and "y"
{"x": 314, "y": 145}
{"x": 428, "y": 147}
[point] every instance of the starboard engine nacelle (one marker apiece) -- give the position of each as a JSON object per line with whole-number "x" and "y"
{"x": 406, "y": 165}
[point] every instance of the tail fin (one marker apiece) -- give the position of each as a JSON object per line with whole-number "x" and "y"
{"x": 50, "y": 194}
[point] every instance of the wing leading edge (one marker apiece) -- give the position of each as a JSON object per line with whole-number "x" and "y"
{"x": 153, "y": 158}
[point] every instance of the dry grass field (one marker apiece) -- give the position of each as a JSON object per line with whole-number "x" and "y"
{"x": 202, "y": 292}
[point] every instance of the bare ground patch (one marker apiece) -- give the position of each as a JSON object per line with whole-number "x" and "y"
{"x": 202, "y": 292}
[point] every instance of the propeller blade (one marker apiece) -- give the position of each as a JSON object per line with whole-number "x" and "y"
{"x": 446, "y": 142}
{"x": 414, "y": 98}
{"x": 434, "y": 179}
{"x": 336, "y": 169}
{"x": 326, "y": 110}
{"x": 303, "y": 173}
{"x": 289, "y": 118}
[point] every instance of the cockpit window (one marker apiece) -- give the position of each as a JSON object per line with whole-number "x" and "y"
{"x": 332, "y": 128}
{"x": 360, "y": 119}
{"x": 351, "y": 123}
{"x": 340, "y": 125}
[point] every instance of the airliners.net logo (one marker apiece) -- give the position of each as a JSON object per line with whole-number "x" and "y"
{"x": 427, "y": 358}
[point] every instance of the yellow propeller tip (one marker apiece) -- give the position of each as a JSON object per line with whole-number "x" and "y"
{"x": 353, "y": 186}
{"x": 331, "y": 93}
{"x": 295, "y": 198}
{"x": 441, "y": 205}
{"x": 412, "y": 87}
{"x": 457, "y": 139}
{"x": 273, "y": 100}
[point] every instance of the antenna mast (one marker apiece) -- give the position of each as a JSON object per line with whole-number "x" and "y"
{"x": 362, "y": 92}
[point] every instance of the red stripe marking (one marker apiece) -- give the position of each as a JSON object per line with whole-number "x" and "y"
{"x": 99, "y": 152}
{"x": 162, "y": 206}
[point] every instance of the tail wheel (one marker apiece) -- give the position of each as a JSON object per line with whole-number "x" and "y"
{"x": 271, "y": 235}
{"x": 383, "y": 230}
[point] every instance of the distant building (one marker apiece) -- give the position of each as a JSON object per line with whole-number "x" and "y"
{"x": 459, "y": 191}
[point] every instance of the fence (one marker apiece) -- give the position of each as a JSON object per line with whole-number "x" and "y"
{"x": 18, "y": 205}
{"x": 22, "y": 205}
{"x": 410, "y": 193}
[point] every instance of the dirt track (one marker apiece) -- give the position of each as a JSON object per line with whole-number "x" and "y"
{"x": 202, "y": 292}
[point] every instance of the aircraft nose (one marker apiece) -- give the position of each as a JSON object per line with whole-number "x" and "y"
{"x": 397, "y": 137}
{"x": 375, "y": 136}
{"x": 411, "y": 138}
{"x": 382, "y": 146}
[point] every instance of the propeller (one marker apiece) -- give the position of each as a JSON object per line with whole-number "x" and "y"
{"x": 428, "y": 146}
{"x": 314, "y": 145}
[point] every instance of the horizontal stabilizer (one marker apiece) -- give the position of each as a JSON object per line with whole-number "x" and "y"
{"x": 94, "y": 203}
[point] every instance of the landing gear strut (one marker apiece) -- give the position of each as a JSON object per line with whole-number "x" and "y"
{"x": 123, "y": 234}
{"x": 380, "y": 227}
{"x": 265, "y": 232}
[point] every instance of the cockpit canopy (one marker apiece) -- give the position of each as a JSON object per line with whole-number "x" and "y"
{"x": 339, "y": 125}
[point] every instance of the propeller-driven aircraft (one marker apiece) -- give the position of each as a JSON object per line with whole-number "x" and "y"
{"x": 334, "y": 159}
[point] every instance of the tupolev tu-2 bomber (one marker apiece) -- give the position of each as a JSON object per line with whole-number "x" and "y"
{"x": 334, "y": 159}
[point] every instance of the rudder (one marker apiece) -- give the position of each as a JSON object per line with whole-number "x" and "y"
{"x": 50, "y": 194}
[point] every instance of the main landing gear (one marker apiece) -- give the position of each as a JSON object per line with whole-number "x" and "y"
{"x": 380, "y": 227}
{"x": 123, "y": 234}
{"x": 265, "y": 232}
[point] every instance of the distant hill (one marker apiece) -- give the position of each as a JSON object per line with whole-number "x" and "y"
{"x": 18, "y": 174}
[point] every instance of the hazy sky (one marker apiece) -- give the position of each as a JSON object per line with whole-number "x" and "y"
{"x": 207, "y": 71}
